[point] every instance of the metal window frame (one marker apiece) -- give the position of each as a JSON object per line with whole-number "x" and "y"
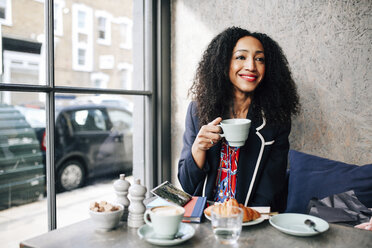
{"x": 153, "y": 60}
{"x": 157, "y": 73}
{"x": 163, "y": 93}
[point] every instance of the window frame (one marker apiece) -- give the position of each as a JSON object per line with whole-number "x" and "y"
{"x": 58, "y": 16}
{"x": 8, "y": 14}
{"x": 151, "y": 67}
{"x": 127, "y": 44}
{"x": 108, "y": 17}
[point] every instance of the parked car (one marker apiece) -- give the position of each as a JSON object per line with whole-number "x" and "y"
{"x": 90, "y": 140}
{"x": 22, "y": 176}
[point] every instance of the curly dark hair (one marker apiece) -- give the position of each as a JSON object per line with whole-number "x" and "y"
{"x": 276, "y": 96}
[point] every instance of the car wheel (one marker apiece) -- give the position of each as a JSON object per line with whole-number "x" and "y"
{"x": 70, "y": 176}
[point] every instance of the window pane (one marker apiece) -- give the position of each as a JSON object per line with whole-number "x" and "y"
{"x": 90, "y": 130}
{"x": 93, "y": 145}
{"x": 58, "y": 17}
{"x": 101, "y": 34}
{"x": 97, "y": 30}
{"x": 23, "y": 207}
{"x": 101, "y": 27}
{"x": 81, "y": 19}
{"x": 2, "y": 12}
{"x": 4, "y": 5}
{"x": 23, "y": 42}
{"x": 81, "y": 57}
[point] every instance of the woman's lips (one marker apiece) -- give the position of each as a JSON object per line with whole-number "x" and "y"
{"x": 248, "y": 77}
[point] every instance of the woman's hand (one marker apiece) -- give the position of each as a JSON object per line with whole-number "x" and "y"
{"x": 207, "y": 137}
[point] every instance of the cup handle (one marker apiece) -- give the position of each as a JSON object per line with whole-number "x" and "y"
{"x": 146, "y": 218}
{"x": 222, "y": 135}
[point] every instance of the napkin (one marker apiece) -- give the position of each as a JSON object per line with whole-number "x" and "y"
{"x": 340, "y": 208}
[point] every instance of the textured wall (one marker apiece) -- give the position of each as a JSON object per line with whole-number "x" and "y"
{"x": 328, "y": 46}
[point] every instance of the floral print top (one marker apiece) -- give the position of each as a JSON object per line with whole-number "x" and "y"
{"x": 227, "y": 172}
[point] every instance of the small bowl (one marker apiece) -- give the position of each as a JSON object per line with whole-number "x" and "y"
{"x": 106, "y": 221}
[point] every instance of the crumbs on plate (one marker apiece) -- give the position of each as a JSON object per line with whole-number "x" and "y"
{"x": 102, "y": 206}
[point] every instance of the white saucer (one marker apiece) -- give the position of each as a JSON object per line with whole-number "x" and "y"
{"x": 294, "y": 224}
{"x": 249, "y": 223}
{"x": 185, "y": 232}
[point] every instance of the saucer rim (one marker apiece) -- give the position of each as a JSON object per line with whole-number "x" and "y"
{"x": 299, "y": 218}
{"x": 165, "y": 242}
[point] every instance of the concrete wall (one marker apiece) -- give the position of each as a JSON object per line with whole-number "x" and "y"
{"x": 328, "y": 46}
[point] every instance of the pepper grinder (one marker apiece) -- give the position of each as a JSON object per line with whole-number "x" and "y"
{"x": 121, "y": 187}
{"x": 136, "y": 207}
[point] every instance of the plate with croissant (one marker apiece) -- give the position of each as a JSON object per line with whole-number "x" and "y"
{"x": 250, "y": 216}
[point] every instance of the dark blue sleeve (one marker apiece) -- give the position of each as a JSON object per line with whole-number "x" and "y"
{"x": 189, "y": 174}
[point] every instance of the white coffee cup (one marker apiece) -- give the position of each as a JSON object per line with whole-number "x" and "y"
{"x": 164, "y": 220}
{"x": 235, "y": 131}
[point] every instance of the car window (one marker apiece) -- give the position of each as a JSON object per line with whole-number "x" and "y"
{"x": 121, "y": 120}
{"x": 99, "y": 120}
{"x": 88, "y": 120}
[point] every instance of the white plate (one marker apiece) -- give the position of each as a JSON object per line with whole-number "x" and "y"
{"x": 249, "y": 223}
{"x": 185, "y": 232}
{"x": 294, "y": 224}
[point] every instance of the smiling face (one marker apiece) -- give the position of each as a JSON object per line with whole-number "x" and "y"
{"x": 247, "y": 66}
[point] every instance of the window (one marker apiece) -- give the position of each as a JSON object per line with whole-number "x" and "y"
{"x": 6, "y": 12}
{"x": 103, "y": 27}
{"x": 125, "y": 75}
{"x": 88, "y": 120}
{"x": 125, "y": 33}
{"x": 2, "y": 9}
{"x": 81, "y": 56}
{"x": 31, "y": 81}
{"x": 82, "y": 38}
{"x": 58, "y": 17}
{"x": 22, "y": 176}
{"x": 81, "y": 19}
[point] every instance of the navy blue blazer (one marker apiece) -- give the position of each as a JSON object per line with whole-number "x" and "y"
{"x": 261, "y": 177}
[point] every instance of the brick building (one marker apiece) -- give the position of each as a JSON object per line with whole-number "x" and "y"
{"x": 93, "y": 45}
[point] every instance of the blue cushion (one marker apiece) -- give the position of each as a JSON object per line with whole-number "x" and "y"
{"x": 311, "y": 176}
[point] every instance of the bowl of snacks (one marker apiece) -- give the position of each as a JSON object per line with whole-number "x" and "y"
{"x": 105, "y": 215}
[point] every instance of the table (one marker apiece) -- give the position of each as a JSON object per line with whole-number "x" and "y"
{"x": 82, "y": 234}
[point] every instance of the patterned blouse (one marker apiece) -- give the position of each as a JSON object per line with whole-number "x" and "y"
{"x": 226, "y": 175}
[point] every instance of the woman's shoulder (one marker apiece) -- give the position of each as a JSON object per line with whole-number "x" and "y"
{"x": 192, "y": 113}
{"x": 193, "y": 108}
{"x": 193, "y": 104}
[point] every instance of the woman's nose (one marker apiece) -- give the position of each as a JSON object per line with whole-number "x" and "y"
{"x": 249, "y": 64}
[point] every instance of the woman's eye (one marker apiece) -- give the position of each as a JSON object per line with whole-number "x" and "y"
{"x": 261, "y": 59}
{"x": 241, "y": 57}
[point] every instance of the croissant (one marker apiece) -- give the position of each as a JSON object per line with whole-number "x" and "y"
{"x": 249, "y": 214}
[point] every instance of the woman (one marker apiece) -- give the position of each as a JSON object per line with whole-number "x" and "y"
{"x": 241, "y": 75}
